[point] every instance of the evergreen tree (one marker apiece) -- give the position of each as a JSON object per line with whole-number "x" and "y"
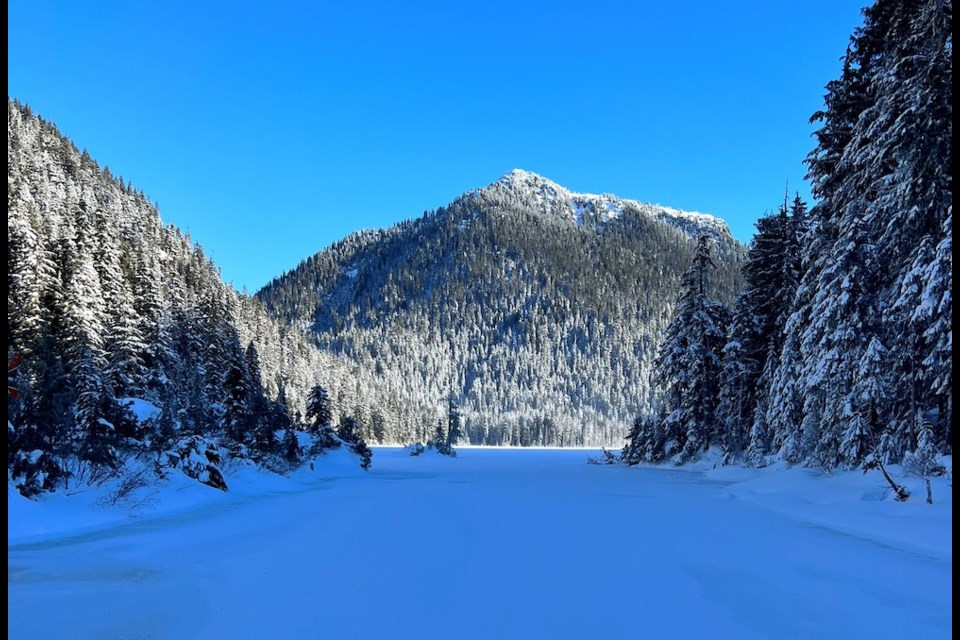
{"x": 378, "y": 426}
{"x": 738, "y": 388}
{"x": 279, "y": 412}
{"x": 365, "y": 453}
{"x": 125, "y": 365}
{"x": 290, "y": 446}
{"x": 439, "y": 441}
{"x": 166, "y": 429}
{"x": 642, "y": 444}
{"x": 349, "y": 432}
{"x": 264, "y": 435}
{"x": 319, "y": 409}
{"x": 924, "y": 461}
{"x": 689, "y": 363}
{"x": 454, "y": 428}
{"x": 95, "y": 435}
{"x": 238, "y": 421}
{"x": 756, "y": 334}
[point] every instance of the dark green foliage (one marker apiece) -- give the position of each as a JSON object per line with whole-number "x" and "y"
{"x": 279, "y": 411}
{"x": 867, "y": 314}
{"x": 378, "y": 426}
{"x": 163, "y": 436}
{"x": 238, "y": 419}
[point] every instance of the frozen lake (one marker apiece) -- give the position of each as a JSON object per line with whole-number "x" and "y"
{"x": 504, "y": 544}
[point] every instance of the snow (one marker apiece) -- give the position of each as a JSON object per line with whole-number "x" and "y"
{"x": 142, "y": 409}
{"x": 605, "y": 207}
{"x": 496, "y": 543}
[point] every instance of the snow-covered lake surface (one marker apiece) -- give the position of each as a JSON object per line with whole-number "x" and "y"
{"x": 494, "y": 544}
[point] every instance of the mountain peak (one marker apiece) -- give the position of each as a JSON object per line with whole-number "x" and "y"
{"x": 554, "y": 199}
{"x": 524, "y": 178}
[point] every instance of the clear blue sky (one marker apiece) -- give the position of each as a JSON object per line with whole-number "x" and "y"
{"x": 270, "y": 130}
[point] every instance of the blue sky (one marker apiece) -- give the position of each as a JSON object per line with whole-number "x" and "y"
{"x": 269, "y": 130}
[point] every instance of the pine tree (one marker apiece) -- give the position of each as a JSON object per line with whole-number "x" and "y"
{"x": 125, "y": 366}
{"x": 378, "y": 426}
{"x": 738, "y": 388}
{"x": 347, "y": 430}
{"x": 689, "y": 362}
{"x": 320, "y": 418}
{"x": 105, "y": 302}
{"x": 319, "y": 409}
{"x": 642, "y": 444}
{"x": 264, "y": 430}
{"x": 924, "y": 461}
{"x": 166, "y": 429}
{"x": 279, "y": 412}
{"x": 238, "y": 421}
{"x": 756, "y": 334}
{"x": 95, "y": 435}
{"x": 454, "y": 428}
{"x": 290, "y": 446}
{"x": 439, "y": 442}
{"x": 365, "y": 453}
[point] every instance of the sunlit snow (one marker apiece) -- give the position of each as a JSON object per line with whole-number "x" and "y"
{"x": 491, "y": 544}
{"x": 604, "y": 208}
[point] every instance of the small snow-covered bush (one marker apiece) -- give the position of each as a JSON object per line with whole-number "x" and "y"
{"x": 37, "y": 471}
{"x": 608, "y": 457}
{"x": 199, "y": 459}
{"x": 415, "y": 449}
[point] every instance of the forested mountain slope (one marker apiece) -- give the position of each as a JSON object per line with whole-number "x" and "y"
{"x": 536, "y": 310}
{"x": 105, "y": 302}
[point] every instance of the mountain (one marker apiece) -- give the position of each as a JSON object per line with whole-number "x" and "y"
{"x": 536, "y": 311}
{"x": 106, "y": 303}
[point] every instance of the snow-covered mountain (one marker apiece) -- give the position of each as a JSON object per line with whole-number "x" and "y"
{"x": 590, "y": 208}
{"x": 538, "y": 309}
{"x": 107, "y": 303}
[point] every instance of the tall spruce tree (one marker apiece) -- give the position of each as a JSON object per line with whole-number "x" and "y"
{"x": 320, "y": 417}
{"x": 689, "y": 363}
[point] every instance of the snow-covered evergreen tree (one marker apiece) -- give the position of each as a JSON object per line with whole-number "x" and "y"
{"x": 689, "y": 363}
